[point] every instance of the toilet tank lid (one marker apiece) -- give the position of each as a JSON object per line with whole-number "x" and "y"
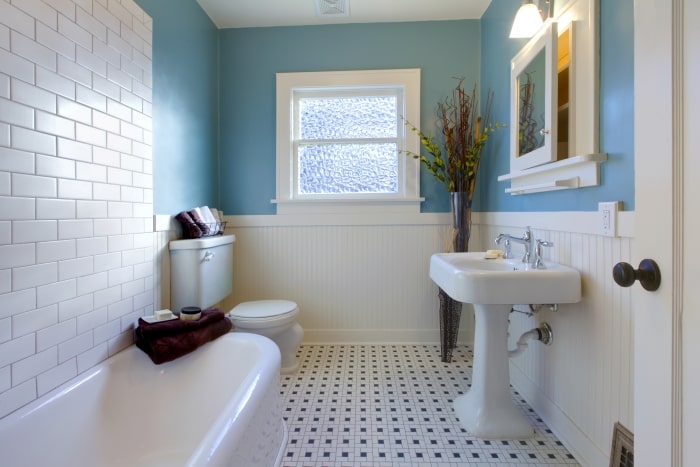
{"x": 199, "y": 243}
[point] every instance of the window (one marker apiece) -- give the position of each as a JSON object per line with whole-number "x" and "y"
{"x": 341, "y": 140}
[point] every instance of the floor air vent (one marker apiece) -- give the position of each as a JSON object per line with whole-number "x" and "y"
{"x": 332, "y": 8}
{"x": 622, "y": 451}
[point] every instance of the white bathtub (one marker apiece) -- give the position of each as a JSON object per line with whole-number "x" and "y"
{"x": 218, "y": 406}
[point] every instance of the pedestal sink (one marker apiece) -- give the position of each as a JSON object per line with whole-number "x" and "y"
{"x": 493, "y": 286}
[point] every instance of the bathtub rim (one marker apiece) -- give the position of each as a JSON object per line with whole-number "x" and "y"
{"x": 215, "y": 438}
{"x": 268, "y": 366}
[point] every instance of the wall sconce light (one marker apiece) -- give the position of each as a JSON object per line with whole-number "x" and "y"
{"x": 528, "y": 20}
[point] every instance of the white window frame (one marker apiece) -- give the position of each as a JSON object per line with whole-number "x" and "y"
{"x": 290, "y": 85}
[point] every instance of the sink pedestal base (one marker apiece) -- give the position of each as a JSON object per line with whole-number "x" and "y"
{"x": 488, "y": 410}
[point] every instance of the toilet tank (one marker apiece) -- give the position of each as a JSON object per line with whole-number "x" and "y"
{"x": 201, "y": 271}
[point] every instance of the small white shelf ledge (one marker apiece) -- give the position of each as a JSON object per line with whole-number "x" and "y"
{"x": 573, "y": 172}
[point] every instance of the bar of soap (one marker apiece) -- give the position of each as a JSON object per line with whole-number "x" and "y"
{"x": 161, "y": 315}
{"x": 493, "y": 254}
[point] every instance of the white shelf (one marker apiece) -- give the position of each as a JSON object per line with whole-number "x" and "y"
{"x": 547, "y": 186}
{"x": 573, "y": 172}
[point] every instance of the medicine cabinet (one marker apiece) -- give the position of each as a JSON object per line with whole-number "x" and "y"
{"x": 554, "y": 105}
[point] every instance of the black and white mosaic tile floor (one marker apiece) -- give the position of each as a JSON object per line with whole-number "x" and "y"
{"x": 391, "y": 405}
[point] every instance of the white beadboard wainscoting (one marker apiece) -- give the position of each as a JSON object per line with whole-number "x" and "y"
{"x": 353, "y": 282}
{"x": 359, "y": 279}
{"x": 583, "y": 383}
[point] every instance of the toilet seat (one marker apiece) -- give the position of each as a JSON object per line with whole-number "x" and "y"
{"x": 268, "y": 312}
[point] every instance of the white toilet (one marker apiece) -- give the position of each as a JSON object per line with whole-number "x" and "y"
{"x": 276, "y": 319}
{"x": 201, "y": 274}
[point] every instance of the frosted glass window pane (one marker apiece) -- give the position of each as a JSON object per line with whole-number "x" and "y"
{"x": 348, "y": 117}
{"x": 348, "y": 168}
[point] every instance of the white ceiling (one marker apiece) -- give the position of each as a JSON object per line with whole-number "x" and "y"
{"x": 259, "y": 13}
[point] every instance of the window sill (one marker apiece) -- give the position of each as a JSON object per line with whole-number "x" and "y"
{"x": 574, "y": 172}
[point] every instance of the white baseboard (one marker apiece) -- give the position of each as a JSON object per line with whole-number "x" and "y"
{"x": 575, "y": 440}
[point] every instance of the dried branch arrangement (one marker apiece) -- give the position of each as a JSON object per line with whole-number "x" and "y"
{"x": 455, "y": 160}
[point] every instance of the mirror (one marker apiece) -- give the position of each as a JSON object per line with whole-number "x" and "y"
{"x": 531, "y": 115}
{"x": 533, "y": 106}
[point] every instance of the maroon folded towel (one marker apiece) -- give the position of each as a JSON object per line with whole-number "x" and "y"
{"x": 164, "y": 341}
{"x": 172, "y": 327}
{"x": 200, "y": 223}
{"x": 192, "y": 230}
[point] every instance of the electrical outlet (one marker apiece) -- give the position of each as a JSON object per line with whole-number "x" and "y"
{"x": 607, "y": 218}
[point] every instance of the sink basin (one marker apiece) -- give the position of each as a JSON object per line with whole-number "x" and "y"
{"x": 470, "y": 278}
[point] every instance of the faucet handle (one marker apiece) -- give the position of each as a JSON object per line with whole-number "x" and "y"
{"x": 505, "y": 239}
{"x": 507, "y": 254}
{"x": 538, "y": 263}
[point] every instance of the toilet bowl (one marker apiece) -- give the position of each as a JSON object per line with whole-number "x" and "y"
{"x": 276, "y": 320}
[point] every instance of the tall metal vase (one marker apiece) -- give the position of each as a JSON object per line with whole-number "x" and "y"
{"x": 450, "y": 309}
{"x": 461, "y": 220}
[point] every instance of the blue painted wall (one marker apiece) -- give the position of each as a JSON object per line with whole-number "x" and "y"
{"x": 226, "y": 157}
{"x": 251, "y": 57}
{"x": 185, "y": 105}
{"x": 616, "y": 113}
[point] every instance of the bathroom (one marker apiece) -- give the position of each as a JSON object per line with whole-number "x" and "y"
{"x": 213, "y": 144}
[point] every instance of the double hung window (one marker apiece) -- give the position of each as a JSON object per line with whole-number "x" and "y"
{"x": 341, "y": 139}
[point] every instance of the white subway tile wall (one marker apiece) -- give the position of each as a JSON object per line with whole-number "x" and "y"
{"x": 76, "y": 242}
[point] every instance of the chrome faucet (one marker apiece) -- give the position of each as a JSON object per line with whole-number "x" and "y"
{"x": 533, "y": 247}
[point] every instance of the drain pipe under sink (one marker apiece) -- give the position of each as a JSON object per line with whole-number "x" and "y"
{"x": 542, "y": 333}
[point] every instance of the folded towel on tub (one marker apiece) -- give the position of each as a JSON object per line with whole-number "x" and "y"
{"x": 164, "y": 341}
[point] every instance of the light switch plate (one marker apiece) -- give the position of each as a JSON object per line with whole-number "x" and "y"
{"x": 607, "y": 218}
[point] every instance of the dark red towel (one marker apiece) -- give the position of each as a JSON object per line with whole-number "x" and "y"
{"x": 200, "y": 223}
{"x": 167, "y": 340}
{"x": 191, "y": 229}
